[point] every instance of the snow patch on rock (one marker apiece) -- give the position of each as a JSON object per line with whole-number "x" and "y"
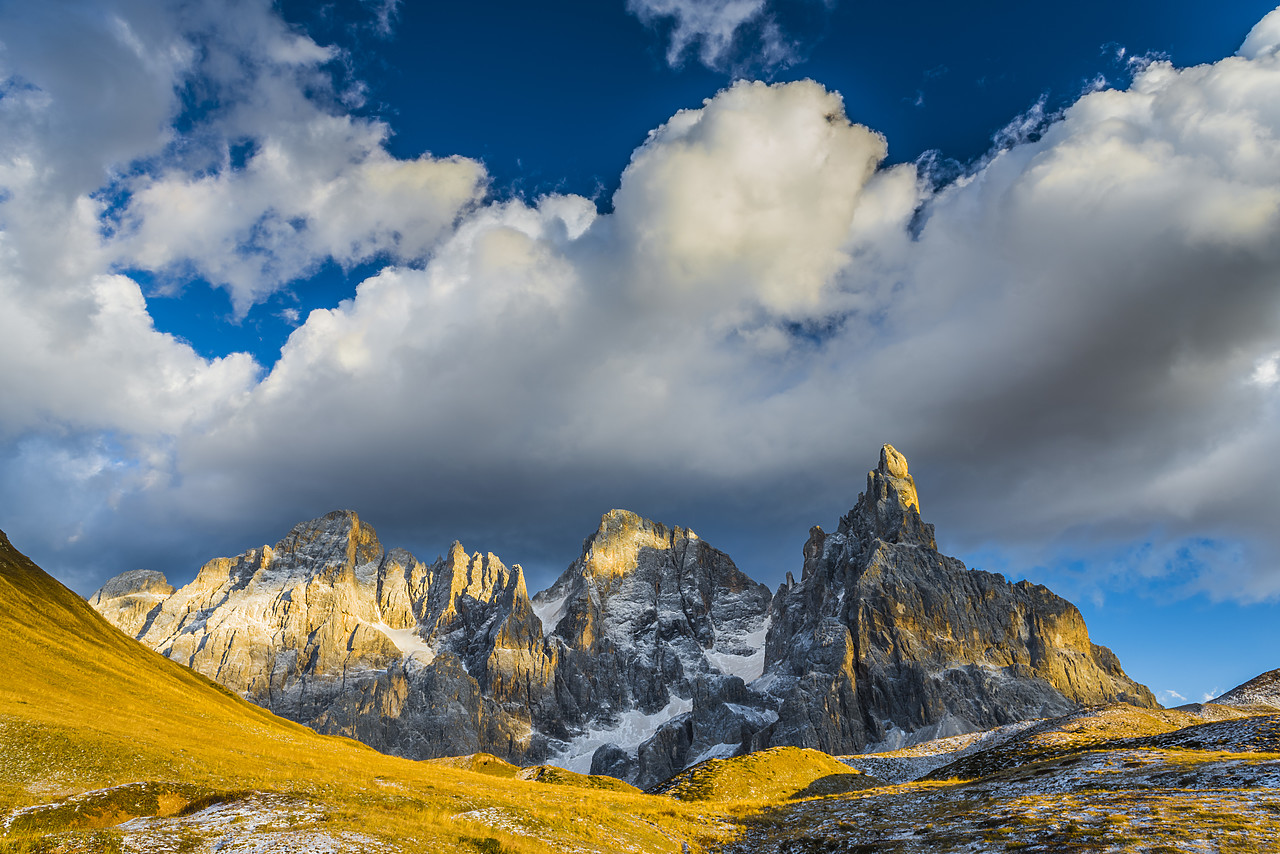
{"x": 716, "y": 751}
{"x": 408, "y": 641}
{"x": 633, "y": 729}
{"x": 549, "y": 611}
{"x": 749, "y": 666}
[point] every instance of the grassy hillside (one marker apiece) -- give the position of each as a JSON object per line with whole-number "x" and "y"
{"x": 84, "y": 707}
{"x": 487, "y": 763}
{"x": 767, "y": 775}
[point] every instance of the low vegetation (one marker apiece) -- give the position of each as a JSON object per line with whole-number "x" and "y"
{"x": 767, "y": 775}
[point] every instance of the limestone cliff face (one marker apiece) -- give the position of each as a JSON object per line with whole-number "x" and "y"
{"x": 651, "y": 623}
{"x": 649, "y": 626}
{"x": 131, "y": 598}
{"x": 884, "y": 637}
{"x": 329, "y": 629}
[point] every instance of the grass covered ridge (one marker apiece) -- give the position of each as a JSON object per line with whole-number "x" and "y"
{"x": 776, "y": 773}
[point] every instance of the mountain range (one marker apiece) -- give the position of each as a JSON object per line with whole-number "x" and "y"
{"x": 650, "y": 653}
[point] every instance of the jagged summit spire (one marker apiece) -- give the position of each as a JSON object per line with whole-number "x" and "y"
{"x": 892, "y": 462}
{"x": 893, "y": 470}
{"x": 890, "y": 508}
{"x": 613, "y": 550}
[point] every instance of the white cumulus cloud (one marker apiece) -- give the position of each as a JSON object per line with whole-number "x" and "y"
{"x": 1263, "y": 39}
{"x": 750, "y": 200}
{"x": 322, "y": 187}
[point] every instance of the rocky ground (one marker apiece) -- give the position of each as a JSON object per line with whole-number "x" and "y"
{"x": 1099, "y": 781}
{"x": 1107, "y": 779}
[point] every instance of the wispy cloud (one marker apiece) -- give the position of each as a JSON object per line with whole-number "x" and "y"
{"x": 385, "y": 14}
{"x": 724, "y": 35}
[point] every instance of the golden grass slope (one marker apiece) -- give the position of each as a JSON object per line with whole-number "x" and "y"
{"x": 487, "y": 763}
{"x": 773, "y": 774}
{"x": 108, "y": 746}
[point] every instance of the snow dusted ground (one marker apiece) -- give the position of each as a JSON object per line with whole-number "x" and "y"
{"x": 952, "y": 819}
{"x": 1261, "y": 691}
{"x": 257, "y": 823}
{"x": 1259, "y": 734}
{"x": 912, "y": 763}
{"x": 1052, "y": 787}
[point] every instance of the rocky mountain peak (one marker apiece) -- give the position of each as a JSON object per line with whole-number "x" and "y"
{"x": 327, "y": 629}
{"x": 890, "y": 508}
{"x": 467, "y": 588}
{"x": 1261, "y": 691}
{"x": 651, "y": 651}
{"x": 479, "y": 576}
{"x": 335, "y": 539}
{"x": 135, "y": 581}
{"x": 898, "y": 641}
{"x": 128, "y": 599}
{"x": 892, "y": 463}
{"x": 652, "y": 625}
{"x": 614, "y": 549}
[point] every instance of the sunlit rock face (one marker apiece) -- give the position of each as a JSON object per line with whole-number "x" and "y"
{"x": 654, "y": 625}
{"x": 883, "y": 637}
{"x": 329, "y": 629}
{"x": 423, "y": 660}
{"x": 651, "y": 652}
{"x": 129, "y": 599}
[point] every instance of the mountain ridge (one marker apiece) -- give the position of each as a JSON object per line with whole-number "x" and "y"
{"x": 650, "y": 652}
{"x": 1262, "y": 691}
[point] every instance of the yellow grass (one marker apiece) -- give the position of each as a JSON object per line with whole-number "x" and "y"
{"x": 766, "y": 777}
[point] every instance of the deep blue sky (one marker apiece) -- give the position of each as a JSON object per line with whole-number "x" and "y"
{"x": 555, "y": 97}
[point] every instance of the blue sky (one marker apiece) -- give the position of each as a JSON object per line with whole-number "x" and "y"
{"x": 483, "y": 271}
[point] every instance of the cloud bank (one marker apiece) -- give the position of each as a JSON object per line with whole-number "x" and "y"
{"x": 1075, "y": 343}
